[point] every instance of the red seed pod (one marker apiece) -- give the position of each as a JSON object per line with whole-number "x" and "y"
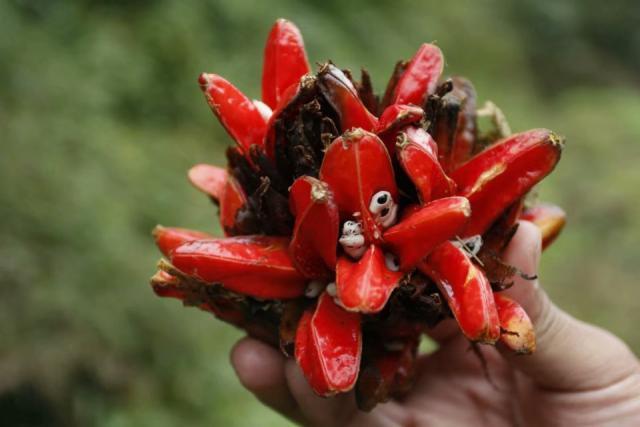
{"x": 356, "y": 166}
{"x": 365, "y": 285}
{"x": 225, "y": 305}
{"x": 420, "y": 78}
{"x": 233, "y": 198}
{"x": 169, "y": 238}
{"x": 466, "y": 290}
{"x": 315, "y": 235}
{"x": 549, "y": 218}
{"x": 418, "y": 156}
{"x": 343, "y": 97}
{"x": 386, "y": 373}
{"x": 286, "y": 98}
{"x": 517, "y": 330}
{"x": 258, "y": 266}
{"x": 237, "y": 114}
{"x": 209, "y": 179}
{"x": 419, "y": 233}
{"x": 328, "y": 347}
{"x": 166, "y": 285}
{"x": 223, "y": 188}
{"x": 466, "y": 128}
{"x": 394, "y": 119}
{"x": 285, "y": 61}
{"x": 397, "y": 116}
{"x": 503, "y": 173}
{"x": 265, "y": 111}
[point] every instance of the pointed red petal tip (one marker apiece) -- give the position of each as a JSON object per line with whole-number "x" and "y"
{"x": 233, "y": 199}
{"x": 366, "y": 285}
{"x": 517, "y": 330}
{"x": 317, "y": 222}
{"x": 287, "y": 96}
{"x": 549, "y": 218}
{"x": 467, "y": 291}
{"x": 223, "y": 188}
{"x": 503, "y": 173}
{"x": 394, "y": 119}
{"x": 169, "y": 238}
{"x": 258, "y": 266}
{"x": 237, "y": 113}
{"x": 328, "y": 347}
{"x": 398, "y": 116}
{"x": 285, "y": 61}
{"x": 421, "y": 76}
{"x": 419, "y": 233}
{"x": 357, "y": 166}
{"x": 417, "y": 153}
{"x": 343, "y": 97}
{"x": 208, "y": 179}
{"x": 166, "y": 285}
{"x": 466, "y": 126}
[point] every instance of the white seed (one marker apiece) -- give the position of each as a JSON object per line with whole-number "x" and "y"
{"x": 391, "y": 261}
{"x": 352, "y": 239}
{"x": 471, "y": 245}
{"x": 331, "y": 289}
{"x": 383, "y": 208}
{"x": 314, "y": 288}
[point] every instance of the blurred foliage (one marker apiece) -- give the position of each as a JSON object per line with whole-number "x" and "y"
{"x": 100, "y": 117}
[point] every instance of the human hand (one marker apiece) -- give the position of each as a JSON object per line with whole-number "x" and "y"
{"x": 579, "y": 375}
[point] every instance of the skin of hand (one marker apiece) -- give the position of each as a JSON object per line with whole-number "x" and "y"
{"x": 579, "y": 375}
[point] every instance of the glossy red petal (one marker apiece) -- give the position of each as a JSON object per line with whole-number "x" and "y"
{"x": 498, "y": 176}
{"x": 209, "y": 179}
{"x": 365, "y": 285}
{"x": 328, "y": 347}
{"x": 166, "y": 285}
{"x": 397, "y": 116}
{"x": 421, "y": 76}
{"x": 418, "y": 156}
{"x": 169, "y": 238}
{"x": 419, "y": 233}
{"x": 517, "y": 330}
{"x": 466, "y": 290}
{"x": 258, "y": 266}
{"x": 270, "y": 137}
{"x": 394, "y": 119}
{"x": 237, "y": 113}
{"x": 285, "y": 61}
{"x": 233, "y": 198}
{"x": 343, "y": 97}
{"x": 550, "y": 219}
{"x": 386, "y": 373}
{"x": 356, "y": 166}
{"x": 317, "y": 222}
{"x": 466, "y": 128}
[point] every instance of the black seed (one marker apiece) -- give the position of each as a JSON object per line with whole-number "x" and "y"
{"x": 382, "y": 199}
{"x": 384, "y": 212}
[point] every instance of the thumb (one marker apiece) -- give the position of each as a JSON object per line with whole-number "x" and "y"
{"x": 570, "y": 354}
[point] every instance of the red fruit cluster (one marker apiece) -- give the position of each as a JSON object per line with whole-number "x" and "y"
{"x": 353, "y": 222}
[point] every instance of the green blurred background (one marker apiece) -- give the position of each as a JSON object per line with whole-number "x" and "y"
{"x": 100, "y": 117}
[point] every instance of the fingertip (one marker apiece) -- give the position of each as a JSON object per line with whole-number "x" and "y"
{"x": 261, "y": 370}
{"x": 525, "y": 248}
{"x": 257, "y": 365}
{"x": 323, "y": 411}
